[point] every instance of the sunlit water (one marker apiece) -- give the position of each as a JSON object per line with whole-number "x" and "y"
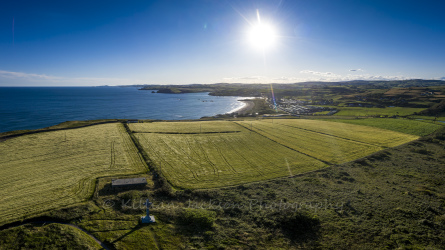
{"x": 38, "y": 107}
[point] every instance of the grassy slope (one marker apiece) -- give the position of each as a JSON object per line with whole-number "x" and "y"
{"x": 185, "y": 127}
{"x": 429, "y": 118}
{"x": 390, "y": 111}
{"x": 411, "y": 127}
{"x": 222, "y": 153}
{"x": 63, "y": 125}
{"x": 392, "y": 199}
{"x": 324, "y": 147}
{"x": 218, "y": 159}
{"x": 52, "y": 236}
{"x": 327, "y": 131}
{"x": 45, "y": 171}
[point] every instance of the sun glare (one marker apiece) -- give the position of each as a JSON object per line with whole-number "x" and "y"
{"x": 262, "y": 35}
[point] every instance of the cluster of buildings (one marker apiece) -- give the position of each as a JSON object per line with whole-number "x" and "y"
{"x": 299, "y": 107}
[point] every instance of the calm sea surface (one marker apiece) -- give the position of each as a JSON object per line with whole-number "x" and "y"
{"x": 38, "y": 107}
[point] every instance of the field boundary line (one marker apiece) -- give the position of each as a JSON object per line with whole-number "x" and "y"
{"x": 328, "y": 163}
{"x": 274, "y": 179}
{"x": 161, "y": 159}
{"x": 148, "y": 161}
{"x": 186, "y": 133}
{"x": 7, "y": 137}
{"x": 313, "y": 131}
{"x": 284, "y": 134}
{"x": 130, "y": 145}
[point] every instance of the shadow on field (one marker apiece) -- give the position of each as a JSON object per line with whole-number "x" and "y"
{"x": 297, "y": 227}
{"x": 109, "y": 190}
{"x": 137, "y": 227}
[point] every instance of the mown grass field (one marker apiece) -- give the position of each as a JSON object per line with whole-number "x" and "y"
{"x": 47, "y": 170}
{"x": 217, "y": 157}
{"x": 406, "y": 126}
{"x": 390, "y": 111}
{"x": 330, "y": 142}
{"x": 382, "y": 138}
{"x": 185, "y": 127}
{"x": 221, "y": 153}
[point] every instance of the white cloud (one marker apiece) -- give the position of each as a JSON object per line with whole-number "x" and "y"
{"x": 356, "y": 70}
{"x": 329, "y": 76}
{"x": 285, "y": 78}
{"x": 10, "y": 78}
{"x": 262, "y": 79}
{"x": 314, "y": 76}
{"x": 21, "y": 75}
{"x": 322, "y": 74}
{"x": 245, "y": 79}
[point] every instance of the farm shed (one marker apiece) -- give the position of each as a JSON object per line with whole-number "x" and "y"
{"x": 128, "y": 182}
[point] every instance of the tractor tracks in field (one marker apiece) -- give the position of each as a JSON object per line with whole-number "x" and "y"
{"x": 325, "y": 162}
{"x": 327, "y": 134}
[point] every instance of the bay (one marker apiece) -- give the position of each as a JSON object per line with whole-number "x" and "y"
{"x": 39, "y": 107}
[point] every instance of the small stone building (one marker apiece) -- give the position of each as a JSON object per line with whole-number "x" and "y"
{"x": 117, "y": 183}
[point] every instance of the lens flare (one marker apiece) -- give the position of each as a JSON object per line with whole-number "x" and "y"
{"x": 273, "y": 98}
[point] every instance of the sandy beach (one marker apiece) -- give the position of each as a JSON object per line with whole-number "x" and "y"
{"x": 246, "y": 109}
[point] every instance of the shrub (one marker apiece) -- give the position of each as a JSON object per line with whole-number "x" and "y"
{"x": 197, "y": 219}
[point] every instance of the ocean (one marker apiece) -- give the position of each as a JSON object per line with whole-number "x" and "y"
{"x": 39, "y": 107}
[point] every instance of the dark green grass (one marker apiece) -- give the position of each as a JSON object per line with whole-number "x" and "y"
{"x": 51, "y": 236}
{"x": 429, "y": 118}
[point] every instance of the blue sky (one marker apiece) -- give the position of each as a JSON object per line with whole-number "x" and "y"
{"x": 79, "y": 43}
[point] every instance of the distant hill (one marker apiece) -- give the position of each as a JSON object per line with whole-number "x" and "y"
{"x": 258, "y": 90}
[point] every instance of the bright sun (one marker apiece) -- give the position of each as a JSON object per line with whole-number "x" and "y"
{"x": 262, "y": 35}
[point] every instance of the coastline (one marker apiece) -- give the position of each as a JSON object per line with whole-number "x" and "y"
{"x": 246, "y": 108}
{"x": 29, "y": 109}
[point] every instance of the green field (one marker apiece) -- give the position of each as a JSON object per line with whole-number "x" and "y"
{"x": 48, "y": 170}
{"x": 429, "y": 118}
{"x": 322, "y": 113}
{"x": 228, "y": 153}
{"x": 406, "y": 126}
{"x": 389, "y": 111}
{"x": 185, "y": 127}
{"x": 381, "y": 138}
{"x": 211, "y": 159}
{"x": 329, "y": 142}
{"x": 342, "y": 207}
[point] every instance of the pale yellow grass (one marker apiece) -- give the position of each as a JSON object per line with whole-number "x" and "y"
{"x": 372, "y": 135}
{"x": 43, "y": 171}
{"x": 220, "y": 159}
{"x": 185, "y": 127}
